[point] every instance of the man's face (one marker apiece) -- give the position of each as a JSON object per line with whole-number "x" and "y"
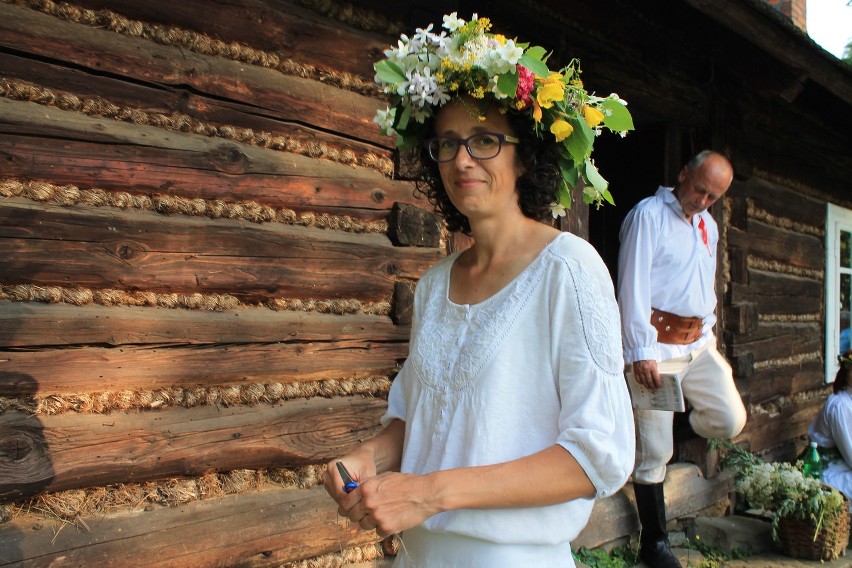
{"x": 700, "y": 188}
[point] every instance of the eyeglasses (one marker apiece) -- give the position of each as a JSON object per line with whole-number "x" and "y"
{"x": 483, "y": 146}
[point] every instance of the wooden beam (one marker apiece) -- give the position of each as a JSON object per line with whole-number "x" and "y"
{"x": 687, "y": 492}
{"x": 259, "y": 529}
{"x": 108, "y": 247}
{"x": 777, "y": 293}
{"x": 61, "y": 147}
{"x": 72, "y": 451}
{"x": 285, "y": 96}
{"x": 97, "y": 369}
{"x": 63, "y": 325}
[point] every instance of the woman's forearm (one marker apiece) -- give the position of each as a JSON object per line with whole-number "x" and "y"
{"x": 385, "y": 449}
{"x": 545, "y": 478}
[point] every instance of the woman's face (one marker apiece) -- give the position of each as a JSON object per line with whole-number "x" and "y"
{"x": 478, "y": 188}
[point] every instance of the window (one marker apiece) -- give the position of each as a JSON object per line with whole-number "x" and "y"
{"x": 838, "y": 285}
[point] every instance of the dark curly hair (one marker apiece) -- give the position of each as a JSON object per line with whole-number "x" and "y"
{"x": 537, "y": 186}
{"x": 841, "y": 381}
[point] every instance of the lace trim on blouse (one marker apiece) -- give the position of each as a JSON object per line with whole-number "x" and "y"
{"x": 457, "y": 340}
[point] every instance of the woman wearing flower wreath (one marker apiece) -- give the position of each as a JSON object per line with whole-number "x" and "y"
{"x": 511, "y": 413}
{"x": 831, "y": 429}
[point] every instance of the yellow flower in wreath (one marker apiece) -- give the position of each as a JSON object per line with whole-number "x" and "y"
{"x": 561, "y": 129}
{"x": 552, "y": 89}
{"x": 592, "y": 115}
{"x": 536, "y": 112}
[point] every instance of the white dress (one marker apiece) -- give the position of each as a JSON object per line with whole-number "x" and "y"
{"x": 832, "y": 428}
{"x": 537, "y": 364}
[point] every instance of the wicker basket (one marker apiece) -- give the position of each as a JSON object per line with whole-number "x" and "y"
{"x": 797, "y": 537}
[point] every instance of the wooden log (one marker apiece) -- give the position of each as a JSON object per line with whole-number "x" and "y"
{"x": 784, "y": 203}
{"x": 259, "y": 529}
{"x": 403, "y": 303}
{"x": 786, "y": 247}
{"x": 96, "y": 369}
{"x": 285, "y": 97}
{"x": 741, "y": 319}
{"x": 767, "y": 384}
{"x": 788, "y": 419}
{"x": 106, "y": 94}
{"x": 51, "y": 325}
{"x": 815, "y": 161}
{"x": 737, "y": 202}
{"x": 779, "y": 340}
{"x": 777, "y": 293}
{"x": 107, "y": 247}
{"x": 72, "y": 451}
{"x": 738, "y": 262}
{"x": 412, "y": 226}
{"x": 282, "y": 27}
{"x": 742, "y": 364}
{"x": 687, "y": 492}
{"x": 65, "y": 147}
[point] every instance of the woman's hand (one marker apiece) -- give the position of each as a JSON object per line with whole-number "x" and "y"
{"x": 390, "y": 502}
{"x": 359, "y": 464}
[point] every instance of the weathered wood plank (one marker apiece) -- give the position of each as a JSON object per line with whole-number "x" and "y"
{"x": 58, "y": 146}
{"x": 97, "y": 369}
{"x": 285, "y": 97}
{"x": 789, "y": 420}
{"x": 261, "y": 529}
{"x": 779, "y": 340}
{"x": 780, "y": 245}
{"x": 278, "y": 27}
{"x": 687, "y": 492}
{"x": 71, "y": 451}
{"x": 47, "y": 325}
{"x": 776, "y": 293}
{"x": 814, "y": 161}
{"x": 105, "y": 247}
{"x": 781, "y": 201}
{"x": 770, "y": 383}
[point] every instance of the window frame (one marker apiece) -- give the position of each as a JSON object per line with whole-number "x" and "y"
{"x": 838, "y": 219}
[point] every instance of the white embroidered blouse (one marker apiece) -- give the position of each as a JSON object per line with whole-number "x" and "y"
{"x": 538, "y": 363}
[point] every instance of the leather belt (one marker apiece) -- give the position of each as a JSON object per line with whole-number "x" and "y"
{"x": 675, "y": 329}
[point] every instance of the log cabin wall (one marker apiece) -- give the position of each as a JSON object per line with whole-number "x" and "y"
{"x": 205, "y": 278}
{"x": 208, "y": 255}
{"x": 786, "y": 123}
{"x": 774, "y": 310}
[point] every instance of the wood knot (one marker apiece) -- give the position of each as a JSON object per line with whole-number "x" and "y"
{"x": 229, "y": 159}
{"x": 14, "y": 448}
{"x": 127, "y": 250}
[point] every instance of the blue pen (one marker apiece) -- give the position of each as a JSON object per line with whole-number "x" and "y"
{"x": 349, "y": 484}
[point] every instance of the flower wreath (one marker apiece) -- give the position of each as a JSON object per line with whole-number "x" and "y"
{"x": 424, "y": 72}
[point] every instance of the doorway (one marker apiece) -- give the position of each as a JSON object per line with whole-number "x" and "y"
{"x": 634, "y": 166}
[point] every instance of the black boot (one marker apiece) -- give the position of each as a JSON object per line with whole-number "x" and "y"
{"x": 654, "y": 549}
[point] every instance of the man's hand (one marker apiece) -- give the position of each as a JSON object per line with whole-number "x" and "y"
{"x": 646, "y": 374}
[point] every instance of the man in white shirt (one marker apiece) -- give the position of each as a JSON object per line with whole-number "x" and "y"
{"x": 666, "y": 292}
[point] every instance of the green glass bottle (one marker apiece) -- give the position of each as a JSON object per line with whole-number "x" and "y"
{"x": 811, "y": 464}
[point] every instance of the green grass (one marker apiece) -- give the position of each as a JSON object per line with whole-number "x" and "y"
{"x": 626, "y": 557}
{"x": 618, "y": 557}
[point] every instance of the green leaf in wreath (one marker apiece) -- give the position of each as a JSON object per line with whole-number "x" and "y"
{"x": 389, "y": 72}
{"x": 533, "y": 59}
{"x": 618, "y": 118}
{"x": 507, "y": 83}
{"x": 596, "y": 179}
